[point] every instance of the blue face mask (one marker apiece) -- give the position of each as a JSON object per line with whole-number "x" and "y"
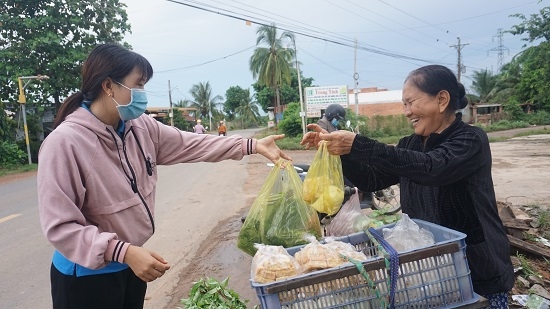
{"x": 335, "y": 122}
{"x": 136, "y": 107}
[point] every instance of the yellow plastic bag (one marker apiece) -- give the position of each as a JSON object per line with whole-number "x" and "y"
{"x": 323, "y": 187}
{"x": 279, "y": 216}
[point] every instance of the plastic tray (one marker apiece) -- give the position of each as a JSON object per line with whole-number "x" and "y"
{"x": 435, "y": 276}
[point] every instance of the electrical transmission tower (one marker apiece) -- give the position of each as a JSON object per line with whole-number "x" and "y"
{"x": 500, "y": 48}
{"x": 459, "y": 66}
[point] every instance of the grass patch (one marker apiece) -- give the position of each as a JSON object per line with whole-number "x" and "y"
{"x": 4, "y": 171}
{"x": 543, "y": 222}
{"x": 528, "y": 269}
{"x": 533, "y": 132}
{"x": 498, "y": 139}
{"x": 290, "y": 143}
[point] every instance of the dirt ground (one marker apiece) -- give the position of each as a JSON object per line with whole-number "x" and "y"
{"x": 521, "y": 175}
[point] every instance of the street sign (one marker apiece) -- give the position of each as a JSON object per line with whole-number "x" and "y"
{"x": 318, "y": 98}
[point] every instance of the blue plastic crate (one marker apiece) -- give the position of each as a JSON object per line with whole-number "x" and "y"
{"x": 435, "y": 276}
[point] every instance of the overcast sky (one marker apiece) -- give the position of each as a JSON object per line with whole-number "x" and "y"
{"x": 187, "y": 45}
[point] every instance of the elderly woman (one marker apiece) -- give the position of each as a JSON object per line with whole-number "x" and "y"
{"x": 444, "y": 172}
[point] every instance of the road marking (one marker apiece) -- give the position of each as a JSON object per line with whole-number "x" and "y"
{"x": 9, "y": 217}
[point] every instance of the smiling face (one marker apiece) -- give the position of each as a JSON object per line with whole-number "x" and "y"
{"x": 426, "y": 112}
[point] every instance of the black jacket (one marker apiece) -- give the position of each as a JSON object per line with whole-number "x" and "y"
{"x": 447, "y": 181}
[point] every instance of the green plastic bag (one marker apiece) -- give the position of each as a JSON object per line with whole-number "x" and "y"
{"x": 279, "y": 216}
{"x": 323, "y": 187}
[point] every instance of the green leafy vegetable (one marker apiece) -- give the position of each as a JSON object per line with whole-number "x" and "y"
{"x": 211, "y": 294}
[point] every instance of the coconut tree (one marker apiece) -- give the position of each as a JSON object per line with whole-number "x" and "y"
{"x": 271, "y": 65}
{"x": 248, "y": 109}
{"x": 484, "y": 84}
{"x": 204, "y": 101}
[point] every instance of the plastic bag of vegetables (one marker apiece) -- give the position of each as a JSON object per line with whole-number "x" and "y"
{"x": 323, "y": 187}
{"x": 279, "y": 216}
{"x": 351, "y": 219}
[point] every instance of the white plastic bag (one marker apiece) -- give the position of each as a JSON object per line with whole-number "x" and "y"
{"x": 272, "y": 263}
{"x": 407, "y": 235}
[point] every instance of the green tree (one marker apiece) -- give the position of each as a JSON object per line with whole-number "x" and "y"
{"x": 265, "y": 95}
{"x": 53, "y": 38}
{"x": 183, "y": 103}
{"x": 484, "y": 84}
{"x": 234, "y": 96}
{"x": 271, "y": 65}
{"x": 291, "y": 124}
{"x": 205, "y": 102}
{"x": 7, "y": 126}
{"x": 180, "y": 122}
{"x": 533, "y": 85}
{"x": 248, "y": 109}
{"x": 536, "y": 27}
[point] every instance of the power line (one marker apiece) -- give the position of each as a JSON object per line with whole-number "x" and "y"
{"x": 363, "y": 17}
{"x": 410, "y": 15}
{"x": 207, "y": 62}
{"x": 403, "y": 25}
{"x": 375, "y": 50}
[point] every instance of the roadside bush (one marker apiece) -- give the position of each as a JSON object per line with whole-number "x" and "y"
{"x": 11, "y": 155}
{"x": 33, "y": 145}
{"x": 291, "y": 125}
{"x": 504, "y": 125}
{"x": 539, "y": 118}
{"x": 290, "y": 143}
{"x": 386, "y": 126}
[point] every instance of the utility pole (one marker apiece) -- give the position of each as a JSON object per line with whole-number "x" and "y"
{"x": 459, "y": 66}
{"x": 23, "y": 102}
{"x": 171, "y": 107}
{"x": 356, "y": 80}
{"x": 500, "y": 48}
{"x": 302, "y": 109}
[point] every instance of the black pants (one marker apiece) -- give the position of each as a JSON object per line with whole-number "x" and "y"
{"x": 120, "y": 290}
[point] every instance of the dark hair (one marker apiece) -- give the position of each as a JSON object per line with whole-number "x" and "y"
{"x": 431, "y": 79}
{"x": 105, "y": 60}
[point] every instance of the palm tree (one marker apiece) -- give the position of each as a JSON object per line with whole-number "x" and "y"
{"x": 203, "y": 100}
{"x": 271, "y": 65}
{"x": 484, "y": 84}
{"x": 248, "y": 109}
{"x": 183, "y": 103}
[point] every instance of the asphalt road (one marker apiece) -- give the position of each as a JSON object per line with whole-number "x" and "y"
{"x": 191, "y": 200}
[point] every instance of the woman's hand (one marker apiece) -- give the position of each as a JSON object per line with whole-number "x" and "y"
{"x": 147, "y": 265}
{"x": 311, "y": 139}
{"x": 339, "y": 142}
{"x": 267, "y": 148}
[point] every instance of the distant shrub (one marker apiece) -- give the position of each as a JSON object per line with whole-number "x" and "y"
{"x": 11, "y": 155}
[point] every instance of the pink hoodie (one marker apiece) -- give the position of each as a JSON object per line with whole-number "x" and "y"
{"x": 88, "y": 208}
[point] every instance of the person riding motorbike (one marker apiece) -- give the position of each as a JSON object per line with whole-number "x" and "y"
{"x": 332, "y": 117}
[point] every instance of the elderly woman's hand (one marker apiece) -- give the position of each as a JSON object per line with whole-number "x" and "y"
{"x": 267, "y": 148}
{"x": 311, "y": 139}
{"x": 339, "y": 142}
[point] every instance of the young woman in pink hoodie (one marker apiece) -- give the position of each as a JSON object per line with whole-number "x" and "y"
{"x": 97, "y": 181}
